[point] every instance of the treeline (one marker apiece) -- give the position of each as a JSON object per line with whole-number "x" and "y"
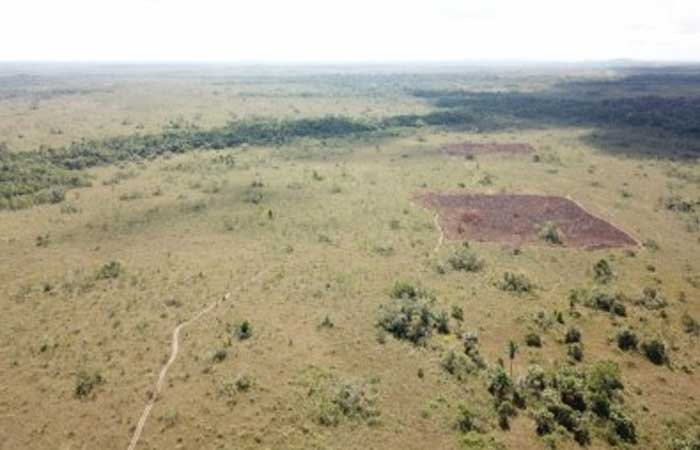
{"x": 41, "y": 176}
{"x": 678, "y": 116}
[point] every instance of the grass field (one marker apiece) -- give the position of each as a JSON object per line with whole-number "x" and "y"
{"x": 350, "y": 322}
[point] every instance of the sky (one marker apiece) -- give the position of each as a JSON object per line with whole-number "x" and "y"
{"x": 349, "y": 31}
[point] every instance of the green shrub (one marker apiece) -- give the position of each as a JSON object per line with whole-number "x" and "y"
{"x": 604, "y": 378}
{"x": 245, "y": 330}
{"x": 111, "y": 270}
{"x": 410, "y": 315}
{"x": 505, "y": 410}
{"x": 549, "y": 233}
{"x": 457, "y": 313}
{"x": 500, "y": 384}
{"x": 87, "y": 382}
{"x": 407, "y": 290}
{"x": 573, "y": 335}
{"x": 690, "y": 325}
{"x": 533, "y": 340}
{"x": 688, "y": 442}
{"x": 655, "y": 351}
{"x": 627, "y": 340}
{"x": 544, "y": 421}
{"x": 458, "y": 365}
{"x": 471, "y": 349}
{"x": 535, "y": 379}
{"x": 517, "y": 283}
{"x": 244, "y": 383}
{"x": 468, "y": 421}
{"x": 327, "y": 322}
{"x": 219, "y": 355}
{"x": 442, "y": 323}
{"x": 349, "y": 400}
{"x": 575, "y": 351}
{"x": 652, "y": 299}
{"x": 570, "y": 385}
{"x": 602, "y": 272}
{"x": 602, "y": 302}
{"x": 623, "y": 426}
{"x": 464, "y": 259}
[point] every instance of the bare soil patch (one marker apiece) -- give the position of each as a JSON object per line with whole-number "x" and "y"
{"x": 518, "y": 219}
{"x": 473, "y": 148}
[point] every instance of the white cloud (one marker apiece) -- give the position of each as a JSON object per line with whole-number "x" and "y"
{"x": 361, "y": 30}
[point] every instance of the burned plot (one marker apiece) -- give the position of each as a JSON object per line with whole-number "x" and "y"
{"x": 468, "y": 148}
{"x": 522, "y": 219}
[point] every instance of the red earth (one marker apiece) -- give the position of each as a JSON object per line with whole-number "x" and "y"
{"x": 518, "y": 219}
{"x": 473, "y": 148}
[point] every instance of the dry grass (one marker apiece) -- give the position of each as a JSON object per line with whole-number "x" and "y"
{"x": 328, "y": 215}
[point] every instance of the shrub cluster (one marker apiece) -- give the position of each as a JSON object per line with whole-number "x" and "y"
{"x": 572, "y": 400}
{"x": 411, "y": 316}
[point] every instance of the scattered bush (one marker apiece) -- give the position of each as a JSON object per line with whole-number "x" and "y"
{"x": 655, "y": 351}
{"x": 549, "y": 233}
{"x": 602, "y": 272}
{"x": 690, "y": 325}
{"x": 517, "y": 283}
{"x": 87, "y": 382}
{"x": 652, "y": 299}
{"x": 688, "y": 442}
{"x": 575, "y": 351}
{"x": 600, "y": 301}
{"x": 573, "y": 335}
{"x": 219, "y": 355}
{"x": 458, "y": 365}
{"x": 471, "y": 349}
{"x": 464, "y": 259}
{"x": 457, "y": 313}
{"x": 627, "y": 340}
{"x": 327, "y": 322}
{"x": 244, "y": 383}
{"x": 467, "y": 420}
{"x": 407, "y": 290}
{"x": 410, "y": 316}
{"x": 245, "y": 331}
{"x": 349, "y": 400}
{"x": 111, "y": 270}
{"x": 533, "y": 340}
{"x": 623, "y": 426}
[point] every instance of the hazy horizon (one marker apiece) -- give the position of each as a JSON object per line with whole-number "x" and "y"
{"x": 318, "y": 32}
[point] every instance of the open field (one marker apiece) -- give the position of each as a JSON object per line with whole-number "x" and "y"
{"x": 332, "y": 309}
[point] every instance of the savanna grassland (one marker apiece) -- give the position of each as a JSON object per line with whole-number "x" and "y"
{"x": 281, "y": 203}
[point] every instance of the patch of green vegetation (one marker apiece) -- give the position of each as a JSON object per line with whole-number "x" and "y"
{"x": 466, "y": 260}
{"x": 411, "y": 315}
{"x": 244, "y": 331}
{"x": 111, "y": 270}
{"x": 613, "y": 304}
{"x": 627, "y": 340}
{"x": 602, "y": 271}
{"x": 343, "y": 400}
{"x": 533, "y": 340}
{"x": 87, "y": 382}
{"x": 572, "y": 401}
{"x": 549, "y": 233}
{"x": 515, "y": 282}
{"x": 655, "y": 351}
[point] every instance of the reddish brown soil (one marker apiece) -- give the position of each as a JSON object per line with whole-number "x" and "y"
{"x": 518, "y": 219}
{"x": 474, "y": 148}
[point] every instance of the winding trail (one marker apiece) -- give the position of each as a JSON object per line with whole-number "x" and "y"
{"x": 173, "y": 354}
{"x": 436, "y": 219}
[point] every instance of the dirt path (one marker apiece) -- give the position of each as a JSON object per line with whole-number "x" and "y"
{"x": 173, "y": 354}
{"x": 441, "y": 238}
